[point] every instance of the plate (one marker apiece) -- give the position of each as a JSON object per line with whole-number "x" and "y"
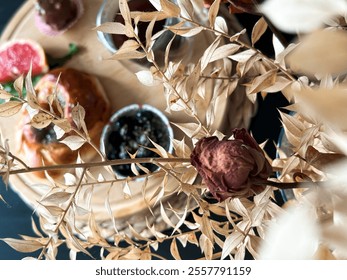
{"x": 122, "y": 88}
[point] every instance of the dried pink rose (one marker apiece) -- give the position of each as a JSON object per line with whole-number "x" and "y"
{"x": 231, "y": 168}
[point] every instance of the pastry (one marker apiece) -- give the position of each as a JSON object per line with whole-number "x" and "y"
{"x": 54, "y": 17}
{"x": 40, "y": 146}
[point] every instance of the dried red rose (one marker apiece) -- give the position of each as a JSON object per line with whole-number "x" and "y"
{"x": 231, "y": 168}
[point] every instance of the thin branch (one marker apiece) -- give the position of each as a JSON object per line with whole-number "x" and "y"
{"x": 167, "y": 80}
{"x": 79, "y": 133}
{"x": 245, "y": 45}
{"x": 95, "y": 164}
{"x": 69, "y": 205}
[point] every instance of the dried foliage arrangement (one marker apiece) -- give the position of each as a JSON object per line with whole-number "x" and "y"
{"x": 215, "y": 191}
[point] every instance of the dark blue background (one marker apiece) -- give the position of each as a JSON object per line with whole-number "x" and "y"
{"x": 15, "y": 217}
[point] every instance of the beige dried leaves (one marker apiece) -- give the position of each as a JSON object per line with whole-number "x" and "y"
{"x": 297, "y": 16}
{"x": 320, "y": 53}
{"x": 225, "y": 74}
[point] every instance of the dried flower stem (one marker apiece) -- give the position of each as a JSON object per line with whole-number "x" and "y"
{"x": 60, "y": 222}
{"x": 96, "y": 164}
{"x": 245, "y": 45}
{"x": 231, "y": 79}
{"x": 288, "y": 185}
{"x": 79, "y": 133}
{"x": 19, "y": 160}
{"x": 167, "y": 80}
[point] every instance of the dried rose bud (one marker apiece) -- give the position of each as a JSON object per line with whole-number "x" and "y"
{"x": 231, "y": 168}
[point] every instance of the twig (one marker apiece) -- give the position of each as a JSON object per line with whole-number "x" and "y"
{"x": 167, "y": 80}
{"x": 95, "y": 164}
{"x": 72, "y": 128}
{"x": 287, "y": 185}
{"x": 56, "y": 229}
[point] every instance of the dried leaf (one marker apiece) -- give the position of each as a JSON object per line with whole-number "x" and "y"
{"x": 10, "y": 108}
{"x": 206, "y": 228}
{"x": 75, "y": 243}
{"x": 3, "y": 200}
{"x": 236, "y": 36}
{"x": 125, "y": 12}
{"x": 244, "y": 66}
{"x": 73, "y": 142}
{"x": 56, "y": 198}
{"x": 149, "y": 16}
{"x": 23, "y": 246}
{"x": 224, "y": 51}
{"x": 181, "y": 148}
{"x": 291, "y": 164}
{"x": 262, "y": 82}
{"x": 321, "y": 52}
{"x": 126, "y": 190}
{"x": 170, "y": 8}
{"x": 185, "y": 31}
{"x": 208, "y": 53}
{"x": 192, "y": 238}
{"x": 174, "y": 250}
{"x": 322, "y": 160}
{"x": 149, "y": 32}
{"x": 231, "y": 242}
{"x": 78, "y": 114}
{"x": 31, "y": 95}
{"x": 164, "y": 216}
{"x": 237, "y": 206}
{"x": 128, "y": 46}
{"x": 221, "y": 25}
{"x": 5, "y": 95}
{"x": 58, "y": 131}
{"x": 111, "y": 28}
{"x": 181, "y": 221}
{"x": 206, "y": 246}
{"x": 18, "y": 85}
{"x": 258, "y": 30}
{"x": 297, "y": 16}
{"x": 192, "y": 130}
{"x": 243, "y": 56}
{"x": 318, "y": 103}
{"x": 63, "y": 124}
{"x": 292, "y": 124}
{"x": 70, "y": 179}
{"x": 41, "y": 120}
{"x": 187, "y": 9}
{"x": 128, "y": 55}
{"x": 50, "y": 210}
{"x": 277, "y": 45}
{"x": 213, "y": 12}
{"x": 145, "y": 77}
{"x": 280, "y": 84}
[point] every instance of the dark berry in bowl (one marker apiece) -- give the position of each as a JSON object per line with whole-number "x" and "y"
{"x": 130, "y": 130}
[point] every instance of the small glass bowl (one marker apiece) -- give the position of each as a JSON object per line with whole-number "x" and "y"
{"x": 179, "y": 48}
{"x": 129, "y": 131}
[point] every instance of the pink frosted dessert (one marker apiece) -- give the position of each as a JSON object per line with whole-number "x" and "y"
{"x": 53, "y": 17}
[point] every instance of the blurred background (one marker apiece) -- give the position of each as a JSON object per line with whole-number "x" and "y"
{"x": 15, "y": 216}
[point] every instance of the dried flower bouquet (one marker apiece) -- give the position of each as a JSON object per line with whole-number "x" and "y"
{"x": 221, "y": 192}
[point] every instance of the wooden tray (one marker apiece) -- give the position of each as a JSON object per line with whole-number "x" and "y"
{"x": 122, "y": 88}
